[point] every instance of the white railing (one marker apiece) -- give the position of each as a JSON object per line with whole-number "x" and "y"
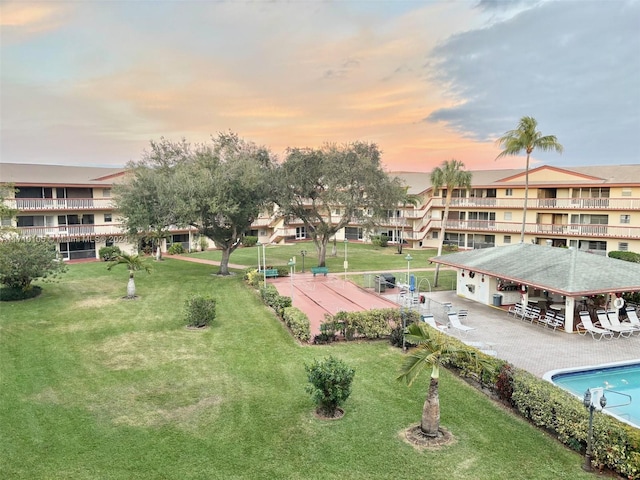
{"x": 544, "y": 203}
{"x": 26, "y": 204}
{"x": 88, "y": 232}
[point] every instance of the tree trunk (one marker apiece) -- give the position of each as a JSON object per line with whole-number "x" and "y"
{"x": 322, "y": 252}
{"x": 445, "y": 215}
{"x": 131, "y": 287}
{"x": 430, "y": 423}
{"x": 526, "y": 198}
{"x": 224, "y": 261}
{"x": 334, "y": 248}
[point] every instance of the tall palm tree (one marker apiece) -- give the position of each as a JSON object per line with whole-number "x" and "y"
{"x": 133, "y": 264}
{"x": 433, "y": 347}
{"x": 450, "y": 175}
{"x": 526, "y": 138}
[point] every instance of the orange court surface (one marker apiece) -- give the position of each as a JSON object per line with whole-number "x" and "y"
{"x": 320, "y": 295}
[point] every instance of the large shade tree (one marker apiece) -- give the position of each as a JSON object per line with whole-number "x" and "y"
{"x": 334, "y": 186}
{"x": 525, "y": 138}
{"x": 145, "y": 198}
{"x": 222, "y": 189}
{"x": 450, "y": 175}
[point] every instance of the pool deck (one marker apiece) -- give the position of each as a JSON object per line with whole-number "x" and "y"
{"x": 530, "y": 347}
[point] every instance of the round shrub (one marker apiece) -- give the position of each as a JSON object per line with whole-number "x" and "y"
{"x": 200, "y": 311}
{"x": 9, "y": 294}
{"x": 176, "y": 249}
{"x": 330, "y": 383}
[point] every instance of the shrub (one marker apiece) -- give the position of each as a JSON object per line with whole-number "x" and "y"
{"x": 253, "y": 277}
{"x": 108, "y": 254}
{"x": 200, "y": 311}
{"x": 330, "y": 383}
{"x": 327, "y": 331}
{"x": 626, "y": 256}
{"x": 176, "y": 249}
{"x": 23, "y": 261}
{"x": 379, "y": 240}
{"x": 249, "y": 241}
{"x": 298, "y": 323}
{"x": 9, "y": 294}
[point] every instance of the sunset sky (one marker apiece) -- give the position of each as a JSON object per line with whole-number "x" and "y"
{"x": 92, "y": 82}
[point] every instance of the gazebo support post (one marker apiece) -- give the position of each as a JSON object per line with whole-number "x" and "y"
{"x": 569, "y": 309}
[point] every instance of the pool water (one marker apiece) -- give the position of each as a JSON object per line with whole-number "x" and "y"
{"x": 618, "y": 381}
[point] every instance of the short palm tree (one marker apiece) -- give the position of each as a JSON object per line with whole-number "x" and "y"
{"x": 133, "y": 264}
{"x": 432, "y": 349}
{"x": 526, "y": 138}
{"x": 450, "y": 175}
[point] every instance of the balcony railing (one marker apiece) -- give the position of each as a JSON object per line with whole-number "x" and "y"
{"x": 544, "y": 203}
{"x": 542, "y": 228}
{"x": 53, "y": 204}
{"x": 86, "y": 232}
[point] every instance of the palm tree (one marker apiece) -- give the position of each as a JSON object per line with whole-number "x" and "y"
{"x": 407, "y": 199}
{"x": 526, "y": 138}
{"x": 450, "y": 175}
{"x": 133, "y": 264}
{"x": 433, "y": 347}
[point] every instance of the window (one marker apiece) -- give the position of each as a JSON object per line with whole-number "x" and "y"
{"x": 625, "y": 218}
{"x": 507, "y": 215}
{"x": 107, "y": 217}
{"x": 626, "y": 192}
{"x": 508, "y": 192}
{"x": 434, "y": 234}
{"x": 623, "y": 247}
{"x": 506, "y": 239}
{"x": 301, "y": 233}
{"x": 106, "y": 192}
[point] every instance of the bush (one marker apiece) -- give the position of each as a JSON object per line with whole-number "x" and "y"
{"x": 298, "y": 323}
{"x": 200, "y": 311}
{"x": 327, "y": 331}
{"x": 626, "y": 256}
{"x": 176, "y": 249}
{"x": 249, "y": 241}
{"x": 380, "y": 240}
{"x": 9, "y": 294}
{"x": 330, "y": 384}
{"x": 108, "y": 254}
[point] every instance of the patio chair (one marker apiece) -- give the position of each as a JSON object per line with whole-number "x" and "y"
{"x": 551, "y": 320}
{"x": 586, "y": 325}
{"x": 431, "y": 321}
{"x": 454, "y": 321}
{"x": 614, "y": 319}
{"x": 633, "y": 317}
{"x": 531, "y": 314}
{"x": 462, "y": 315}
{"x": 603, "y": 319}
{"x": 516, "y": 310}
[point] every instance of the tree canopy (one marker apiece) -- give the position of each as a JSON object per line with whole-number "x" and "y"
{"x": 525, "y": 138}
{"x": 24, "y": 260}
{"x": 333, "y": 186}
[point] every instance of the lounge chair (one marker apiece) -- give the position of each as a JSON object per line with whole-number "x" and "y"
{"x": 612, "y": 315}
{"x": 454, "y": 321}
{"x": 633, "y": 317}
{"x": 551, "y": 320}
{"x": 431, "y": 321}
{"x": 603, "y": 319}
{"x": 586, "y": 325}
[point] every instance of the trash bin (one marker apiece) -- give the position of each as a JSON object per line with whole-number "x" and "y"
{"x": 381, "y": 284}
{"x": 390, "y": 279}
{"x": 497, "y": 300}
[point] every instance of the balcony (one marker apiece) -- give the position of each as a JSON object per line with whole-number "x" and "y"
{"x": 84, "y": 232}
{"x": 544, "y": 203}
{"x": 570, "y": 230}
{"x": 59, "y": 204}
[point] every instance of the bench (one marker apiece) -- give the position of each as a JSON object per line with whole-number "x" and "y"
{"x": 316, "y": 270}
{"x": 270, "y": 272}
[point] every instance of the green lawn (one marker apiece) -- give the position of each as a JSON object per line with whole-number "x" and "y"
{"x": 361, "y": 257}
{"x": 95, "y": 387}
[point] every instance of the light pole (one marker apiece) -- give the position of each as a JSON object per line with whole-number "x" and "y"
{"x": 303, "y": 253}
{"x": 264, "y": 265}
{"x": 587, "y": 401}
{"x": 258, "y": 244}
{"x": 292, "y": 269}
{"x": 409, "y": 299}
{"x": 346, "y": 263}
{"x": 408, "y": 258}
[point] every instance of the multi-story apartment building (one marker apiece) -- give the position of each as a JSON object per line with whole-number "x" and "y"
{"x": 594, "y": 209}
{"x": 71, "y": 206}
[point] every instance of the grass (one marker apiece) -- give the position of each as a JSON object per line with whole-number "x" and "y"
{"x": 361, "y": 257}
{"x": 96, "y": 387}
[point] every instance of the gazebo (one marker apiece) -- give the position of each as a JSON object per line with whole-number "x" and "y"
{"x": 533, "y": 273}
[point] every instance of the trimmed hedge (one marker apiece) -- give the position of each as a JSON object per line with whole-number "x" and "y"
{"x": 298, "y": 323}
{"x": 370, "y": 324}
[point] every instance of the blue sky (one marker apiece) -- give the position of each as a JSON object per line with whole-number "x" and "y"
{"x": 91, "y": 83}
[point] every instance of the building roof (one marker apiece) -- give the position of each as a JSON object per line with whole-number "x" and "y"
{"x": 543, "y": 176}
{"x": 566, "y": 271}
{"x": 63, "y": 175}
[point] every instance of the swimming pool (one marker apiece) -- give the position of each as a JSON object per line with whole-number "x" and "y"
{"x": 619, "y": 380}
